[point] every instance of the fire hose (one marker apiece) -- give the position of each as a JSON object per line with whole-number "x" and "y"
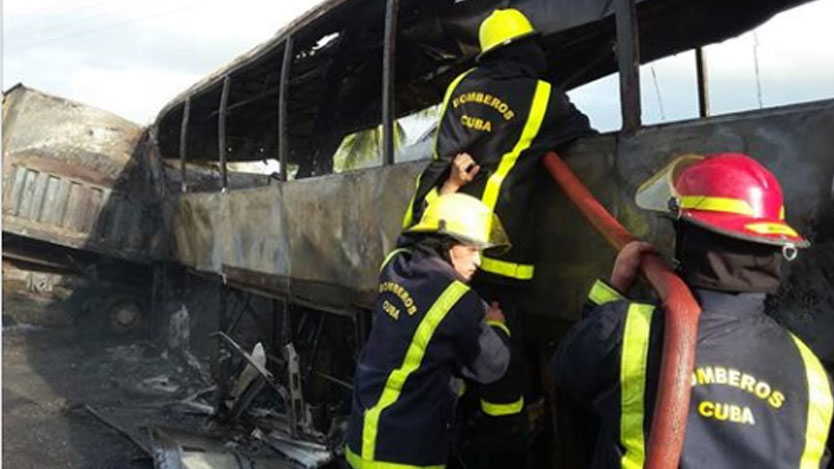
{"x": 671, "y": 408}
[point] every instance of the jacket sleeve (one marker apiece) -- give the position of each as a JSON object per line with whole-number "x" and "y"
{"x": 483, "y": 347}
{"x": 563, "y": 123}
{"x": 450, "y": 141}
{"x": 586, "y": 363}
{"x": 427, "y": 188}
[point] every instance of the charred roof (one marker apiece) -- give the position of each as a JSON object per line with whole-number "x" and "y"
{"x": 335, "y": 80}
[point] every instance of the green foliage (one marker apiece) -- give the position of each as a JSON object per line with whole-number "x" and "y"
{"x": 363, "y": 149}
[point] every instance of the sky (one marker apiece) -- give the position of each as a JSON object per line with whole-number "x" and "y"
{"x": 132, "y": 57}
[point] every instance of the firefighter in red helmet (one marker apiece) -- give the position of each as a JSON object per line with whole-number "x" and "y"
{"x": 760, "y": 397}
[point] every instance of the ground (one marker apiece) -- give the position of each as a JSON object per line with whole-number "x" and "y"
{"x": 51, "y": 372}
{"x": 47, "y": 376}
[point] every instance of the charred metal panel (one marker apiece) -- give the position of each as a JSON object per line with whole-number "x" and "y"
{"x": 255, "y": 234}
{"x": 326, "y": 234}
{"x": 321, "y": 240}
{"x": 198, "y": 231}
{"x": 341, "y": 226}
{"x": 71, "y": 177}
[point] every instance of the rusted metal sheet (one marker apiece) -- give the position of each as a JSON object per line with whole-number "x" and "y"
{"x": 72, "y": 177}
{"x": 321, "y": 240}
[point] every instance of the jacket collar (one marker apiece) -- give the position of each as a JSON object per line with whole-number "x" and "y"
{"x": 510, "y": 69}
{"x": 714, "y": 301}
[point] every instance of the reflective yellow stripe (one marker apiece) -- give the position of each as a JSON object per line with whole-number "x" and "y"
{"x": 391, "y": 256}
{"x": 633, "y": 384}
{"x": 819, "y": 408}
{"x": 408, "y": 218}
{"x": 451, "y": 89}
{"x": 499, "y": 324}
{"x": 538, "y": 108}
{"x": 431, "y": 195}
{"x": 602, "y": 293}
{"x": 782, "y": 213}
{"x": 412, "y": 360}
{"x": 716, "y": 204}
{"x": 497, "y": 410}
{"x": 356, "y": 462}
{"x": 507, "y": 269}
{"x": 771, "y": 228}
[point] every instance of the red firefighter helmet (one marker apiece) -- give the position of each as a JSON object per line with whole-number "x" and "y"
{"x": 727, "y": 193}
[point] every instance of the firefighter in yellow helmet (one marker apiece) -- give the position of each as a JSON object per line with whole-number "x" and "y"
{"x": 429, "y": 331}
{"x": 506, "y": 116}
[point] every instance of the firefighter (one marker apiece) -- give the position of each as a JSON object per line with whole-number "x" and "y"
{"x": 506, "y": 116}
{"x": 429, "y": 331}
{"x": 760, "y": 397}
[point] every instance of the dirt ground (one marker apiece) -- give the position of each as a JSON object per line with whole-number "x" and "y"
{"x": 47, "y": 376}
{"x": 51, "y": 373}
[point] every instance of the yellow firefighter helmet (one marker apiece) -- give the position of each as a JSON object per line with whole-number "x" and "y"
{"x": 502, "y": 27}
{"x": 464, "y": 218}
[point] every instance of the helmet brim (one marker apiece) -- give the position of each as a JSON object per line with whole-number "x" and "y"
{"x": 506, "y": 42}
{"x": 497, "y": 244}
{"x": 759, "y": 230}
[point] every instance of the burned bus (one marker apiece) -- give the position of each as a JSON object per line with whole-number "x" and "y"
{"x": 293, "y": 255}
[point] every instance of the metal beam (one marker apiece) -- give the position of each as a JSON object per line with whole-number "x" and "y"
{"x": 283, "y": 143}
{"x": 222, "y": 364}
{"x": 186, "y": 114}
{"x": 628, "y": 58}
{"x": 221, "y": 132}
{"x": 703, "y": 83}
{"x": 388, "y": 78}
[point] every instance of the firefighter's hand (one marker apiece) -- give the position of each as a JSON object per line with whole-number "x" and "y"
{"x": 494, "y": 313}
{"x": 627, "y": 264}
{"x": 463, "y": 172}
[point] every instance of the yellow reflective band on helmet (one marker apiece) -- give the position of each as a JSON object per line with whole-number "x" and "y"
{"x": 771, "y": 228}
{"x": 716, "y": 204}
{"x": 502, "y": 27}
{"x": 356, "y": 462}
{"x": 408, "y": 218}
{"x": 819, "y": 408}
{"x": 507, "y": 269}
{"x": 633, "y": 366}
{"x": 602, "y": 293}
{"x": 498, "y": 410}
{"x": 500, "y": 325}
{"x": 411, "y": 362}
{"x": 531, "y": 129}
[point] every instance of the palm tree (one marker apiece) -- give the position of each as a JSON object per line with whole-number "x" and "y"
{"x": 363, "y": 149}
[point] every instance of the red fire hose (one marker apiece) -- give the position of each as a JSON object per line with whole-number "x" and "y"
{"x": 681, "y": 325}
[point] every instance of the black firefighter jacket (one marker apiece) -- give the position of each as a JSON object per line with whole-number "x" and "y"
{"x": 760, "y": 398}
{"x": 506, "y": 119}
{"x": 428, "y": 332}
